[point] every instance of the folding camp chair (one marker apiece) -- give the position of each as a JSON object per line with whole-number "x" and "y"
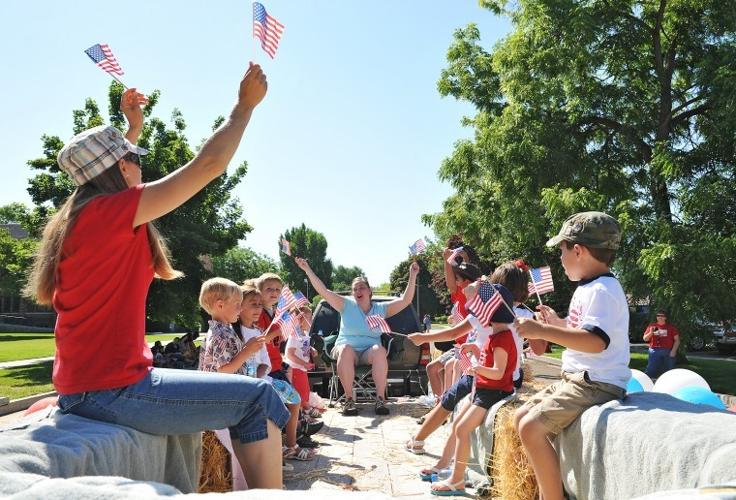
{"x": 364, "y": 388}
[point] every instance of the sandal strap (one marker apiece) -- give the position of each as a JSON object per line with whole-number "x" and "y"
{"x": 450, "y": 486}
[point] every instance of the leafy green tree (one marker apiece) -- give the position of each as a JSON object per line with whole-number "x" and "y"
{"x": 31, "y": 220}
{"x": 428, "y": 301}
{"x": 239, "y": 264}
{"x": 342, "y": 277}
{"x": 209, "y": 224}
{"x": 624, "y": 106}
{"x": 16, "y": 256}
{"x": 311, "y": 245}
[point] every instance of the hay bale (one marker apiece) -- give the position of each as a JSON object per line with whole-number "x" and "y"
{"x": 510, "y": 471}
{"x": 215, "y": 472}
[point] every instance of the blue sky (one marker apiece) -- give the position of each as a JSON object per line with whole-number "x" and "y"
{"x": 348, "y": 140}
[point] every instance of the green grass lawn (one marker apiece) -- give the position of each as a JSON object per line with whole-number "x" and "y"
{"x": 18, "y": 346}
{"x": 720, "y": 375}
{"x": 25, "y": 381}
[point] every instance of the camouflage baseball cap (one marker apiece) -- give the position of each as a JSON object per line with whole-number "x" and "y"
{"x": 592, "y": 229}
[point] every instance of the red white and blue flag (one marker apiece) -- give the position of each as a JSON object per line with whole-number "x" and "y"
{"x": 285, "y": 322}
{"x": 485, "y": 302}
{"x": 452, "y": 258}
{"x": 377, "y": 322}
{"x": 285, "y": 247}
{"x": 467, "y": 360}
{"x": 541, "y": 280}
{"x": 267, "y": 29}
{"x": 287, "y": 301}
{"x": 418, "y": 247}
{"x": 301, "y": 300}
{"x": 455, "y": 314}
{"x": 103, "y": 57}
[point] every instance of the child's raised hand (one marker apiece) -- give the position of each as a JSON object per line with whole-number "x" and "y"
{"x": 414, "y": 269}
{"x": 528, "y": 328}
{"x": 547, "y": 314}
{"x": 253, "y": 87}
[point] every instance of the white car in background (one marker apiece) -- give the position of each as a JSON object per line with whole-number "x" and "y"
{"x": 725, "y": 339}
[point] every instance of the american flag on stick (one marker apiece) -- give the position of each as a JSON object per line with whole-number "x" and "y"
{"x": 486, "y": 301}
{"x": 541, "y": 280}
{"x": 376, "y": 321}
{"x": 287, "y": 300}
{"x": 467, "y": 360}
{"x": 103, "y": 57}
{"x": 455, "y": 314}
{"x": 267, "y": 29}
{"x": 451, "y": 259}
{"x": 285, "y": 247}
{"x": 301, "y": 300}
{"x": 417, "y": 247}
{"x": 286, "y": 324}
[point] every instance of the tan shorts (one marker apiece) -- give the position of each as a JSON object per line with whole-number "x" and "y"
{"x": 559, "y": 404}
{"x": 361, "y": 356}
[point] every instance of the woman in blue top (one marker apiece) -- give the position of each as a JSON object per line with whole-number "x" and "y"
{"x": 357, "y": 343}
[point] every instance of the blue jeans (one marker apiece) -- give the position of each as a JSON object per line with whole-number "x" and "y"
{"x": 659, "y": 362}
{"x": 169, "y": 401}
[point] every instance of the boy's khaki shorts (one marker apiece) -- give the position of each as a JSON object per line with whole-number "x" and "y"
{"x": 559, "y": 404}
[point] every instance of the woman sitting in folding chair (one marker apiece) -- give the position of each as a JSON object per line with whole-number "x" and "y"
{"x": 357, "y": 343}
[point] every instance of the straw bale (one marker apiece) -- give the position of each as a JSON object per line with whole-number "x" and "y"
{"x": 215, "y": 472}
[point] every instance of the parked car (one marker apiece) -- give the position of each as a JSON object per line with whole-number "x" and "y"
{"x": 725, "y": 339}
{"x": 406, "y": 361}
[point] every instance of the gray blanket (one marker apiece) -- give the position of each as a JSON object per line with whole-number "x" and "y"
{"x": 61, "y": 446}
{"x": 648, "y": 442}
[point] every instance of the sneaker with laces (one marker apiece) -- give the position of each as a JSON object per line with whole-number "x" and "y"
{"x": 348, "y": 408}
{"x": 381, "y": 408}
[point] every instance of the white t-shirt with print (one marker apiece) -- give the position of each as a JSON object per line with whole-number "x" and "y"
{"x": 261, "y": 356}
{"x": 601, "y": 303}
{"x": 479, "y": 334}
{"x": 301, "y": 346}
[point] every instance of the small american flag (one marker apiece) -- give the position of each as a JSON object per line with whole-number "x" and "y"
{"x": 467, "y": 360}
{"x": 286, "y": 324}
{"x": 285, "y": 247}
{"x": 376, "y": 321}
{"x": 287, "y": 301}
{"x": 418, "y": 247}
{"x": 541, "y": 280}
{"x": 101, "y": 54}
{"x": 485, "y": 303}
{"x": 301, "y": 300}
{"x": 451, "y": 259}
{"x": 455, "y": 314}
{"x": 267, "y": 29}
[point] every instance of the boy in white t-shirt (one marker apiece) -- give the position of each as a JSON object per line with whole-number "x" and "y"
{"x": 595, "y": 363}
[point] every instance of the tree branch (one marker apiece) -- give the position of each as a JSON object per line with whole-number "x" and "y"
{"x": 689, "y": 113}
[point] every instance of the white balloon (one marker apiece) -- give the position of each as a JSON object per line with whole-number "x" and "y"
{"x": 643, "y": 379}
{"x": 678, "y": 378}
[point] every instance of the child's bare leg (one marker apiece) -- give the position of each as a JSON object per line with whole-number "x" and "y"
{"x": 449, "y": 372}
{"x": 432, "y": 421}
{"x": 448, "y": 452}
{"x": 542, "y": 456}
{"x": 291, "y": 425}
{"x": 469, "y": 421}
{"x": 435, "y": 374}
{"x": 261, "y": 460}
{"x": 518, "y": 415}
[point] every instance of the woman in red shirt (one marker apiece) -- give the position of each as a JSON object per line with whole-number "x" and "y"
{"x": 97, "y": 258}
{"x": 663, "y": 339}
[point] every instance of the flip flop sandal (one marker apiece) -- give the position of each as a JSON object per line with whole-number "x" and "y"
{"x": 452, "y": 491}
{"x": 426, "y": 474}
{"x": 301, "y": 454}
{"x": 414, "y": 446}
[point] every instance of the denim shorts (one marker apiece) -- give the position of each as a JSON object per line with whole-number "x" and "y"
{"x": 168, "y": 401}
{"x": 457, "y": 392}
{"x": 485, "y": 398}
